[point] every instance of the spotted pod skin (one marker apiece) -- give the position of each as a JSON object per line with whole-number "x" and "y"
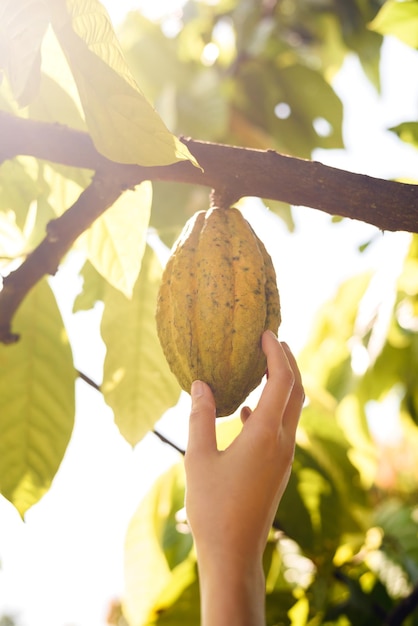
{"x": 218, "y": 295}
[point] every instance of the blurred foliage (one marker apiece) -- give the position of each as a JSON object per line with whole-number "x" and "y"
{"x": 253, "y": 73}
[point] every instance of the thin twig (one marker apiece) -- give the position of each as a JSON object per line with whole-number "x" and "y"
{"x": 160, "y": 436}
{"x": 167, "y": 441}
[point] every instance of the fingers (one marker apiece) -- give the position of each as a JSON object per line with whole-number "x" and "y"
{"x": 245, "y": 413}
{"x": 282, "y": 397}
{"x": 202, "y": 432}
{"x": 280, "y": 380}
{"x": 297, "y": 397}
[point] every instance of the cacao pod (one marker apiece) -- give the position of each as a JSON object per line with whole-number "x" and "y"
{"x": 218, "y": 295}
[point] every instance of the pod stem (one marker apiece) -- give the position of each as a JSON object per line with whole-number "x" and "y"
{"x": 223, "y": 197}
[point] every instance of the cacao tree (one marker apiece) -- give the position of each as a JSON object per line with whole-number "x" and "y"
{"x": 110, "y": 138}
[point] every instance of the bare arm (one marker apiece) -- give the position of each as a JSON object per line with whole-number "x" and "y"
{"x": 232, "y": 495}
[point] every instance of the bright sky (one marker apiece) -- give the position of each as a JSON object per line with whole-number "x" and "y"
{"x": 64, "y": 565}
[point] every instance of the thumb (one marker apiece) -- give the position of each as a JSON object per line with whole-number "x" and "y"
{"x": 202, "y": 431}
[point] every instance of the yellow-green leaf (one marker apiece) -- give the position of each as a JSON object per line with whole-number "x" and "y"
{"x": 12, "y": 242}
{"x": 115, "y": 243}
{"x": 147, "y": 571}
{"x": 22, "y": 26}
{"x": 123, "y": 124}
{"x": 36, "y": 400}
{"x": 137, "y": 382}
{"x": 399, "y": 19}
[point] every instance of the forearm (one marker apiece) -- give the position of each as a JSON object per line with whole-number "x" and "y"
{"x": 232, "y": 594}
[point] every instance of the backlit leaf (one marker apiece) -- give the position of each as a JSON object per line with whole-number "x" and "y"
{"x": 22, "y": 26}
{"x": 94, "y": 288}
{"x": 11, "y": 239}
{"x": 181, "y": 602}
{"x": 407, "y": 131}
{"x": 138, "y": 384}
{"x": 36, "y": 400}
{"x": 115, "y": 243}
{"x": 123, "y": 124}
{"x": 399, "y": 19}
{"x": 147, "y": 571}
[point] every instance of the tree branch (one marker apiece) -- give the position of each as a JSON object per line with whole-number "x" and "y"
{"x": 61, "y": 234}
{"x": 232, "y": 171}
{"x": 237, "y": 172}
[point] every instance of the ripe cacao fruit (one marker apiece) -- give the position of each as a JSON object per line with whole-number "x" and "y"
{"x": 218, "y": 295}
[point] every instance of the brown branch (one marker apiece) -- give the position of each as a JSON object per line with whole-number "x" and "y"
{"x": 235, "y": 171}
{"x": 232, "y": 171}
{"x": 45, "y": 258}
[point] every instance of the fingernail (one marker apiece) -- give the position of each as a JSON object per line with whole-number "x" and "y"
{"x": 197, "y": 389}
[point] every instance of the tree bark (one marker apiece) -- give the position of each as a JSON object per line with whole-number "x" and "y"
{"x": 236, "y": 172}
{"x": 231, "y": 171}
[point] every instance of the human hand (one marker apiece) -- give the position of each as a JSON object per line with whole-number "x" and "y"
{"x": 232, "y": 495}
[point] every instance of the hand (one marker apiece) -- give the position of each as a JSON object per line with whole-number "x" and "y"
{"x": 232, "y": 495}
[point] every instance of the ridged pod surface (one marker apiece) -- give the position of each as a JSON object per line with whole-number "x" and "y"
{"x": 218, "y": 295}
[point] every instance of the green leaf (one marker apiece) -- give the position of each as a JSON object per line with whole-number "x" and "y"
{"x": 172, "y": 205}
{"x": 22, "y": 27}
{"x": 115, "y": 243}
{"x": 324, "y": 500}
{"x": 407, "y": 131}
{"x": 138, "y": 383}
{"x": 326, "y": 358}
{"x": 123, "y": 124}
{"x": 292, "y": 106}
{"x": 181, "y": 602}
{"x": 148, "y": 573}
{"x": 399, "y": 19}
{"x": 282, "y": 210}
{"x": 316, "y": 110}
{"x": 330, "y": 447}
{"x": 399, "y": 523}
{"x": 12, "y": 242}
{"x": 54, "y": 104}
{"x": 36, "y": 400}
{"x": 94, "y": 288}
{"x": 203, "y": 112}
{"x": 20, "y": 185}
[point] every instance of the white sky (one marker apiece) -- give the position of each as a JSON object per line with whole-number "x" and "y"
{"x": 64, "y": 565}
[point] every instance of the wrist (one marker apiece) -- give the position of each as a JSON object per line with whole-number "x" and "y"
{"x": 232, "y": 591}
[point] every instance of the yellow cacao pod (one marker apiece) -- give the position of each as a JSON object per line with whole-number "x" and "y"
{"x": 218, "y": 295}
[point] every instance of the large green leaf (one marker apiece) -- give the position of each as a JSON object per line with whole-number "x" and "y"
{"x": 54, "y": 104}
{"x": 22, "y": 26}
{"x": 115, "y": 243}
{"x": 292, "y": 105}
{"x": 138, "y": 383}
{"x": 123, "y": 124}
{"x": 36, "y": 400}
{"x": 399, "y": 19}
{"x": 149, "y": 574}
